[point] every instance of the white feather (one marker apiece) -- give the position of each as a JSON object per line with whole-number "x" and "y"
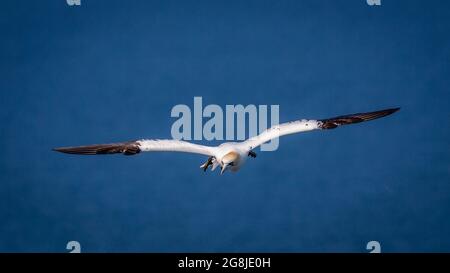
{"x": 281, "y": 130}
{"x": 170, "y": 145}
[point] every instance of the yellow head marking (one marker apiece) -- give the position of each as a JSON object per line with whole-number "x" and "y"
{"x": 230, "y": 157}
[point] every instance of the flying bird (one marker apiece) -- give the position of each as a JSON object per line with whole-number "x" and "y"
{"x": 228, "y": 155}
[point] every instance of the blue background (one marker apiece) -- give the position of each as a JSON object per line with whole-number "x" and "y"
{"x": 110, "y": 71}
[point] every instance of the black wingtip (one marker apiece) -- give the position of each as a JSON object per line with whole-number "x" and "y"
{"x": 332, "y": 123}
{"x": 65, "y": 150}
{"x": 58, "y": 150}
{"x": 126, "y": 148}
{"x": 385, "y": 112}
{"x": 392, "y": 110}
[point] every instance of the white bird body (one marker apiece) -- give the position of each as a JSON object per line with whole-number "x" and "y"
{"x": 228, "y": 155}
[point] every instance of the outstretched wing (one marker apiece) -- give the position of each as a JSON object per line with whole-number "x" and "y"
{"x": 135, "y": 147}
{"x": 308, "y": 125}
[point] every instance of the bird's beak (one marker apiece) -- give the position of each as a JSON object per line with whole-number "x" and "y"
{"x": 224, "y": 167}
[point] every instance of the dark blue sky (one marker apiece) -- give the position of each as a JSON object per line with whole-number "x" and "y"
{"x": 112, "y": 70}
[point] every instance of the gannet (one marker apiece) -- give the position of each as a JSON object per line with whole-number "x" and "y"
{"x": 228, "y": 155}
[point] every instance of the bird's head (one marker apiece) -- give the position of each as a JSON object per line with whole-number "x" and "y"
{"x": 229, "y": 160}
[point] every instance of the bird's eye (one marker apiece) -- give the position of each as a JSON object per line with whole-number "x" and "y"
{"x": 231, "y": 164}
